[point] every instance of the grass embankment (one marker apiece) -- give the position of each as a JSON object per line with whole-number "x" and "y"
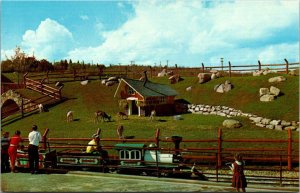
{"x": 85, "y": 100}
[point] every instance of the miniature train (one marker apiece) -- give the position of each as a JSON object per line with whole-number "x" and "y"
{"x": 131, "y": 158}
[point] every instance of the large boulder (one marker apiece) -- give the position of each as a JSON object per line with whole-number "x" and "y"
{"x": 162, "y": 73}
{"x": 275, "y": 91}
{"x": 204, "y": 77}
{"x": 231, "y": 123}
{"x": 294, "y": 72}
{"x": 221, "y": 88}
{"x": 277, "y": 79}
{"x": 267, "y": 98}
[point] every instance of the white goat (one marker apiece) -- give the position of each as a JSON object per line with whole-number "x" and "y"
{"x": 41, "y": 108}
{"x": 69, "y": 116}
{"x": 152, "y": 115}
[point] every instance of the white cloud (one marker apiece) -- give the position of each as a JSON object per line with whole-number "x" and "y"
{"x": 194, "y": 32}
{"x": 50, "y": 40}
{"x": 84, "y": 17}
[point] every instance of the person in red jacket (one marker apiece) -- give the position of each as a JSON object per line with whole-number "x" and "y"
{"x": 13, "y": 147}
{"x": 238, "y": 178}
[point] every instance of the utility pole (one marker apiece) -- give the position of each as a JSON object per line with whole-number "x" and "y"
{"x": 222, "y": 60}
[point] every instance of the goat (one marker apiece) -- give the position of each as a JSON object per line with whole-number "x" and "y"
{"x": 102, "y": 115}
{"x": 41, "y": 108}
{"x": 122, "y": 115}
{"x": 120, "y": 130}
{"x": 152, "y": 115}
{"x": 69, "y": 116}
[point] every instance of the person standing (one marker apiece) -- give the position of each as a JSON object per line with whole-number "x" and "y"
{"x": 13, "y": 147}
{"x": 4, "y": 152}
{"x": 238, "y": 178}
{"x": 34, "y": 138}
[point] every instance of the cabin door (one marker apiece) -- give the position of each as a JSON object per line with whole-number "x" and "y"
{"x": 133, "y": 109}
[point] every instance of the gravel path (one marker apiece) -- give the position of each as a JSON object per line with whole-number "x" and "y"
{"x": 100, "y": 182}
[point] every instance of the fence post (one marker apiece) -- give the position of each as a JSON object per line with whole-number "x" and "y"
{"x": 202, "y": 68}
{"x": 289, "y": 149}
{"x": 219, "y": 147}
{"x": 229, "y": 69}
{"x": 259, "y": 65}
{"x": 286, "y": 66}
{"x": 45, "y": 139}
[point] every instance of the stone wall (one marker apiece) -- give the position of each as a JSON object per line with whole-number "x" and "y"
{"x": 231, "y": 112}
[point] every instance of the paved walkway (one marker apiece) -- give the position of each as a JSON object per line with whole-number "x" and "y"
{"x": 78, "y": 181}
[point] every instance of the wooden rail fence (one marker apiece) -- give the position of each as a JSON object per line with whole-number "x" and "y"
{"x": 286, "y": 155}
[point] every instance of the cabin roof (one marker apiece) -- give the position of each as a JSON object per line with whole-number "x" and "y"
{"x": 129, "y": 146}
{"x": 150, "y": 89}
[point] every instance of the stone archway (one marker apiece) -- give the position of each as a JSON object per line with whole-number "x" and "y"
{"x": 11, "y": 102}
{"x": 9, "y": 107}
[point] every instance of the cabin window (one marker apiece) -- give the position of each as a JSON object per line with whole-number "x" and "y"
{"x": 130, "y": 155}
{"x": 134, "y": 154}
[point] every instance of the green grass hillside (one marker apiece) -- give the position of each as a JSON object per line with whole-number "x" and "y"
{"x": 85, "y": 100}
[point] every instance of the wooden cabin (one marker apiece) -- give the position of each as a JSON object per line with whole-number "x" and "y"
{"x": 140, "y": 97}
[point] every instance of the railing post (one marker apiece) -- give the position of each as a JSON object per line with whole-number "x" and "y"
{"x": 259, "y": 65}
{"x": 229, "y": 69}
{"x": 289, "y": 149}
{"x": 286, "y": 66}
{"x": 22, "y": 107}
{"x": 156, "y": 153}
{"x": 217, "y": 167}
{"x": 202, "y": 68}
{"x": 219, "y": 147}
{"x": 45, "y": 139}
{"x": 280, "y": 171}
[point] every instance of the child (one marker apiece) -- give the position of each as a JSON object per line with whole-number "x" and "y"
{"x": 238, "y": 178}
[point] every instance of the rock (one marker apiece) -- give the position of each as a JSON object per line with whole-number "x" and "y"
{"x": 290, "y": 127}
{"x": 277, "y": 79}
{"x": 113, "y": 78}
{"x": 260, "y": 125}
{"x": 294, "y": 72}
{"x": 285, "y": 123}
{"x": 265, "y": 121}
{"x": 110, "y": 83}
{"x": 231, "y": 123}
{"x": 257, "y": 73}
{"x": 275, "y": 122}
{"x": 84, "y": 82}
{"x": 263, "y": 91}
{"x": 204, "y": 77}
{"x": 103, "y": 81}
{"x": 278, "y": 127}
{"x": 275, "y": 91}
{"x": 267, "y": 98}
{"x": 270, "y": 126}
{"x": 256, "y": 119}
{"x": 162, "y": 73}
{"x": 189, "y": 88}
{"x": 220, "y": 88}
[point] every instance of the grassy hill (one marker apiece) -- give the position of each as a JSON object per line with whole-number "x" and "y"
{"x": 85, "y": 100}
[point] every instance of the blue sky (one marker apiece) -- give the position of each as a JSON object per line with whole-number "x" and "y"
{"x": 183, "y": 32}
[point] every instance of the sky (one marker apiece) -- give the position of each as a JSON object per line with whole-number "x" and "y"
{"x": 153, "y": 32}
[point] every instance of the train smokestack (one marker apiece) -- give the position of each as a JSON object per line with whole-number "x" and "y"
{"x": 176, "y": 140}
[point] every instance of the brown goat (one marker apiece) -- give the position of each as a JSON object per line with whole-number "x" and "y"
{"x": 103, "y": 116}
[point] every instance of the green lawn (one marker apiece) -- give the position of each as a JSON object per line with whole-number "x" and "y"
{"x": 85, "y": 100}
